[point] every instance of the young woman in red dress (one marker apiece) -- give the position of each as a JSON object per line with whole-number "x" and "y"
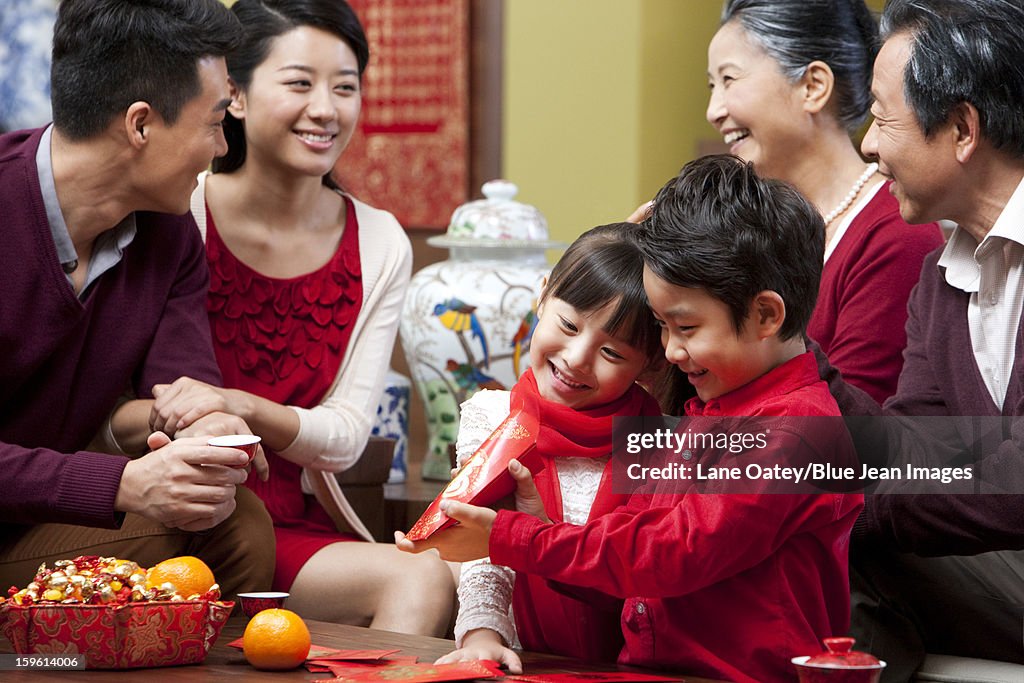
{"x": 306, "y": 287}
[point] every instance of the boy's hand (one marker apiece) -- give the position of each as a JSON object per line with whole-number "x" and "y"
{"x": 483, "y": 643}
{"x": 467, "y": 540}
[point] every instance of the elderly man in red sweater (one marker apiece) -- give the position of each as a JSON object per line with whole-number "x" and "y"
{"x": 104, "y": 290}
{"x": 932, "y": 571}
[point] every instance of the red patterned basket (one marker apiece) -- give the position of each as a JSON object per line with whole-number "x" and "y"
{"x": 129, "y": 636}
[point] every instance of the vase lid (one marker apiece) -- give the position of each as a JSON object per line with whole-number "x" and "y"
{"x": 497, "y": 221}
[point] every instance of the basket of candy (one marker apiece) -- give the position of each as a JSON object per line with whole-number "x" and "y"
{"x": 105, "y": 609}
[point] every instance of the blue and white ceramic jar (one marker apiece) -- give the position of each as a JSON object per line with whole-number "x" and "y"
{"x": 393, "y": 421}
{"x": 468, "y": 320}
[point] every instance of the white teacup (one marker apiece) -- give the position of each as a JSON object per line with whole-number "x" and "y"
{"x": 243, "y": 442}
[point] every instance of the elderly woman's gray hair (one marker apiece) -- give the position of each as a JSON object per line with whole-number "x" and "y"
{"x": 840, "y": 33}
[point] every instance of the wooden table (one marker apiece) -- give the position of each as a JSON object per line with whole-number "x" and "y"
{"x": 225, "y": 663}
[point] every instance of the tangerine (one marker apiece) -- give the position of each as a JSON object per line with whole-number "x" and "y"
{"x": 276, "y": 639}
{"x": 190, "y": 575}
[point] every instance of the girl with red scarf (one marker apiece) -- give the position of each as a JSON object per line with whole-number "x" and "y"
{"x": 595, "y": 336}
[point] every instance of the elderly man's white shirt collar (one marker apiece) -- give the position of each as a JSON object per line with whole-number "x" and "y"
{"x": 962, "y": 253}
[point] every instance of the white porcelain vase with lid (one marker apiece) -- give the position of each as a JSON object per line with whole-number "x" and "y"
{"x": 468, "y": 320}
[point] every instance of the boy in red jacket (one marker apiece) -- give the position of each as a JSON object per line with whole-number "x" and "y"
{"x": 729, "y": 584}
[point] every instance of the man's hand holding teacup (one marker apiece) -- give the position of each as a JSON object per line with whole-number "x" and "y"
{"x": 222, "y": 424}
{"x": 184, "y": 484}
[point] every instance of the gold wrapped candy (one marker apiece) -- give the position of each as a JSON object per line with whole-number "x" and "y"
{"x": 94, "y": 580}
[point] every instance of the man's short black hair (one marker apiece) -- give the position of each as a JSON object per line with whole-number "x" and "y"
{"x": 108, "y": 54}
{"x": 720, "y": 227}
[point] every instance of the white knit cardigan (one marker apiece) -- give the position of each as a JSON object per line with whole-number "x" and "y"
{"x": 333, "y": 434}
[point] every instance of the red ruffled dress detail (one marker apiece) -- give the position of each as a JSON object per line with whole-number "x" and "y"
{"x": 284, "y": 339}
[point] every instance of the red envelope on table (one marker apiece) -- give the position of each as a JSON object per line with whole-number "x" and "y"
{"x": 424, "y": 673}
{"x": 484, "y": 478}
{"x": 320, "y": 652}
{"x": 329, "y": 653}
{"x": 341, "y": 669}
{"x": 594, "y": 677}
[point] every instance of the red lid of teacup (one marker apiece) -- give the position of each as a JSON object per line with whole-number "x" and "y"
{"x": 841, "y": 655}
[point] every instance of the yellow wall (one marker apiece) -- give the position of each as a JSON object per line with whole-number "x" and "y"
{"x": 674, "y": 87}
{"x": 604, "y": 102}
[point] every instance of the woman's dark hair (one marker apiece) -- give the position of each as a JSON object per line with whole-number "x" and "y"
{"x": 604, "y": 266}
{"x": 964, "y": 51}
{"x": 719, "y": 227}
{"x": 840, "y": 33}
{"x": 265, "y": 20}
{"x": 108, "y": 54}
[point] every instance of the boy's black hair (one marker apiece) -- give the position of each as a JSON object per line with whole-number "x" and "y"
{"x": 604, "y": 266}
{"x": 108, "y": 54}
{"x": 720, "y": 227}
{"x": 264, "y": 21}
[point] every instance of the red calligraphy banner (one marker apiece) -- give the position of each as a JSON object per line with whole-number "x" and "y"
{"x": 410, "y": 155}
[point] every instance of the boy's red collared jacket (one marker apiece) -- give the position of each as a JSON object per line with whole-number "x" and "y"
{"x": 729, "y": 585}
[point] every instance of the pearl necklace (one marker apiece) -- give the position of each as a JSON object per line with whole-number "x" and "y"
{"x": 852, "y": 194}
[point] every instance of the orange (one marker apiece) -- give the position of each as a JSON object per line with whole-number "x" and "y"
{"x": 276, "y": 639}
{"x": 190, "y": 575}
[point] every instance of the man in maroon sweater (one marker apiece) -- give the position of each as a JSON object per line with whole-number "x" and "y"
{"x": 932, "y": 571}
{"x": 104, "y": 288}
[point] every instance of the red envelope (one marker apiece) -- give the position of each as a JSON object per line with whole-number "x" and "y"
{"x": 342, "y": 669}
{"x": 484, "y": 477}
{"x": 337, "y": 668}
{"x": 319, "y": 652}
{"x": 424, "y": 673}
{"x": 594, "y": 677}
{"x": 330, "y": 654}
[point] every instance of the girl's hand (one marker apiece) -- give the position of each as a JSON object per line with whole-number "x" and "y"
{"x": 184, "y": 401}
{"x": 483, "y": 643}
{"x": 527, "y": 498}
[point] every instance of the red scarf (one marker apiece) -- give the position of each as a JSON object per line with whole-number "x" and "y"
{"x": 568, "y": 432}
{"x": 548, "y": 620}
